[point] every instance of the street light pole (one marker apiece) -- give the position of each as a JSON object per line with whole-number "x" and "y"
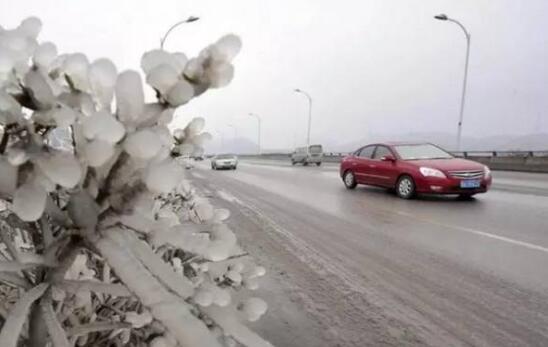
{"x": 297, "y": 90}
{"x": 259, "y": 131}
{"x": 463, "y": 96}
{"x": 235, "y": 130}
{"x": 188, "y": 20}
{"x": 221, "y": 138}
{"x": 235, "y": 136}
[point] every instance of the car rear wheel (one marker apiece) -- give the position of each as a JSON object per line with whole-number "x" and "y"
{"x": 318, "y": 163}
{"x": 293, "y": 162}
{"x": 213, "y": 167}
{"x": 305, "y": 163}
{"x": 405, "y": 188}
{"x": 349, "y": 180}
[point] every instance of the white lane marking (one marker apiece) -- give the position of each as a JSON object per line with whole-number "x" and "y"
{"x": 454, "y": 227}
{"x": 478, "y": 232}
{"x": 268, "y": 166}
{"x": 331, "y": 174}
{"x": 282, "y": 166}
{"x": 228, "y": 197}
{"x": 518, "y": 182}
{"x": 197, "y": 175}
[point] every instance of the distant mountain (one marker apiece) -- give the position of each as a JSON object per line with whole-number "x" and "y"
{"x": 530, "y": 142}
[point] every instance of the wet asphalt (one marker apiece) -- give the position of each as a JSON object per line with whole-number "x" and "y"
{"x": 431, "y": 271}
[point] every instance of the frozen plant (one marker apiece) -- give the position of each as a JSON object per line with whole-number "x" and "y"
{"x": 102, "y": 240}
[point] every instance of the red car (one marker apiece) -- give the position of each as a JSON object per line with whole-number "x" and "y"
{"x": 412, "y": 168}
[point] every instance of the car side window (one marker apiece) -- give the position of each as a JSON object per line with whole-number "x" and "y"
{"x": 381, "y": 151}
{"x": 366, "y": 152}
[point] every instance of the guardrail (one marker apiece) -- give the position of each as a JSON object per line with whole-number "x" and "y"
{"x": 524, "y": 161}
{"x": 520, "y": 154}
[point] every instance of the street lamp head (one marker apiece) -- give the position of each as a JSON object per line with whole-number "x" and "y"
{"x": 297, "y": 90}
{"x": 441, "y": 17}
{"x": 188, "y": 20}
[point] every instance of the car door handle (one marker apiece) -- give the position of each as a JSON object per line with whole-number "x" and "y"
{"x": 354, "y": 164}
{"x": 371, "y": 165}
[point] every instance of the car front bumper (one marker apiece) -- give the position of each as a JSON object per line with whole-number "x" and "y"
{"x": 434, "y": 185}
{"x": 314, "y": 159}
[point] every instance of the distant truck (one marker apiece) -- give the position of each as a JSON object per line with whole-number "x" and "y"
{"x": 308, "y": 155}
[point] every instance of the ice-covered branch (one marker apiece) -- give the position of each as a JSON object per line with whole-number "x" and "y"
{"x": 103, "y": 240}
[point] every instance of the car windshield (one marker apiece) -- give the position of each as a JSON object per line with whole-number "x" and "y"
{"x": 424, "y": 151}
{"x": 316, "y": 149}
{"x": 225, "y": 156}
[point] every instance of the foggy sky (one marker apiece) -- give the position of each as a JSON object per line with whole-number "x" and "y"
{"x": 377, "y": 66}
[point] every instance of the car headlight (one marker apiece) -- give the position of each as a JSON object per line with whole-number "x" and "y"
{"x": 486, "y": 172}
{"x": 429, "y": 172}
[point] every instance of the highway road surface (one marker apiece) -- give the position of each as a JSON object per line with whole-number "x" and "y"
{"x": 364, "y": 268}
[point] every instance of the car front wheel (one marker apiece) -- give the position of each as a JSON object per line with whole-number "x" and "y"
{"x": 405, "y": 188}
{"x": 349, "y": 180}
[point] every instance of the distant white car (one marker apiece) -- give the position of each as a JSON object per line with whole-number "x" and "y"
{"x": 224, "y": 161}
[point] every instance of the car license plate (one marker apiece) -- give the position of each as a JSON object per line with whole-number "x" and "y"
{"x": 470, "y": 184}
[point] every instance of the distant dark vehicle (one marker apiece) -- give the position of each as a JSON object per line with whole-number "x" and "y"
{"x": 224, "y": 161}
{"x": 412, "y": 168}
{"x": 310, "y": 155}
{"x": 198, "y": 157}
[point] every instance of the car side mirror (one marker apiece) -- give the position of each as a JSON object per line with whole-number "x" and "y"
{"x": 388, "y": 158}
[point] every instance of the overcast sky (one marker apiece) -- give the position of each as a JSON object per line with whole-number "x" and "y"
{"x": 375, "y": 66}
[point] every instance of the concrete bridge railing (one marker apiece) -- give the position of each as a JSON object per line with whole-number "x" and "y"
{"x": 525, "y": 161}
